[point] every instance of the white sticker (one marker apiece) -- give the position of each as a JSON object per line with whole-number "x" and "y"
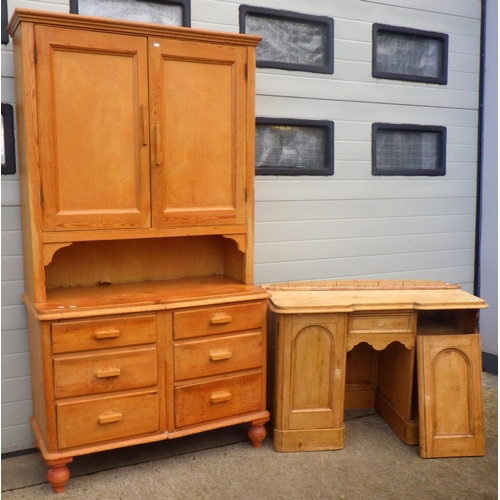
{"x": 156, "y": 44}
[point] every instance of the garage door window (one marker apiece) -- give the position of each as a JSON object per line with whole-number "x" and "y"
{"x": 168, "y": 12}
{"x": 408, "y": 54}
{"x": 408, "y": 150}
{"x": 293, "y": 147}
{"x": 290, "y": 40}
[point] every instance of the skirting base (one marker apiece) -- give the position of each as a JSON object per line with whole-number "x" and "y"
{"x": 309, "y": 439}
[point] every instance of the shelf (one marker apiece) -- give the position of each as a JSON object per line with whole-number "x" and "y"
{"x": 139, "y": 297}
{"x": 458, "y": 322}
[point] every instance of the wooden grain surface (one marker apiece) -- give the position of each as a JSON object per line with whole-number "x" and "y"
{"x": 79, "y": 302}
{"x": 302, "y": 301}
{"x": 450, "y": 396}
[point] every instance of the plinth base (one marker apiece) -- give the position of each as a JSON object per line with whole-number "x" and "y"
{"x": 309, "y": 439}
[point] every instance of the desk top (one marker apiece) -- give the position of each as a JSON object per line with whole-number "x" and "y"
{"x": 350, "y": 296}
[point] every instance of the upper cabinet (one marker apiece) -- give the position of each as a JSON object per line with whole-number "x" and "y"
{"x": 124, "y": 146}
{"x": 140, "y": 130}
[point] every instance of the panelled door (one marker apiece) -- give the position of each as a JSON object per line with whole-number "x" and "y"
{"x": 450, "y": 396}
{"x": 313, "y": 393}
{"x": 198, "y": 124}
{"x": 93, "y": 135}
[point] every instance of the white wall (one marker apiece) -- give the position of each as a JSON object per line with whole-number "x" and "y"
{"x": 351, "y": 225}
{"x": 489, "y": 216}
{"x": 354, "y": 225}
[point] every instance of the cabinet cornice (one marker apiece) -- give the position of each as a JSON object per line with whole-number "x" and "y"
{"x": 78, "y": 21}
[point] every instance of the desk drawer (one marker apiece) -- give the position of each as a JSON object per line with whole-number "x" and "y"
{"x": 382, "y": 323}
{"x": 106, "y": 419}
{"x": 217, "y": 319}
{"x": 202, "y": 358}
{"x": 198, "y": 403}
{"x": 101, "y": 333}
{"x": 100, "y": 373}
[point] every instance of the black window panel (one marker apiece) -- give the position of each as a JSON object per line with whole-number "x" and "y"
{"x": 293, "y": 147}
{"x": 8, "y": 145}
{"x": 290, "y": 40}
{"x": 409, "y": 54}
{"x": 167, "y": 12}
{"x": 408, "y": 150}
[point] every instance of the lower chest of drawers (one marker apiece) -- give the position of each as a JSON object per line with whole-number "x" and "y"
{"x": 120, "y": 377}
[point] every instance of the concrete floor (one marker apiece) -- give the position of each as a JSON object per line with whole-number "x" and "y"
{"x": 222, "y": 465}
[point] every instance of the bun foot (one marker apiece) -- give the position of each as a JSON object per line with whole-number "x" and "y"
{"x": 58, "y": 474}
{"x": 257, "y": 432}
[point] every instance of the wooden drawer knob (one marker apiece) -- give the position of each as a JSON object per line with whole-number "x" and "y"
{"x": 108, "y": 333}
{"x": 220, "y": 396}
{"x": 110, "y": 372}
{"x": 109, "y": 418}
{"x": 220, "y": 355}
{"x": 220, "y": 319}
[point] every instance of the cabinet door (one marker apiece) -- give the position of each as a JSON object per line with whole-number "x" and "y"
{"x": 92, "y": 109}
{"x": 450, "y": 396}
{"x": 312, "y": 352}
{"x": 198, "y": 123}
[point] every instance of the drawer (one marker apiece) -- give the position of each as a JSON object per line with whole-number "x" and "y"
{"x": 201, "y": 358}
{"x": 198, "y": 403}
{"x": 382, "y": 323}
{"x": 219, "y": 319}
{"x": 107, "y": 372}
{"x": 101, "y": 333}
{"x": 106, "y": 419}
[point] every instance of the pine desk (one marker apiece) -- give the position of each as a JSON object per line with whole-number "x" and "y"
{"x": 411, "y": 350}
